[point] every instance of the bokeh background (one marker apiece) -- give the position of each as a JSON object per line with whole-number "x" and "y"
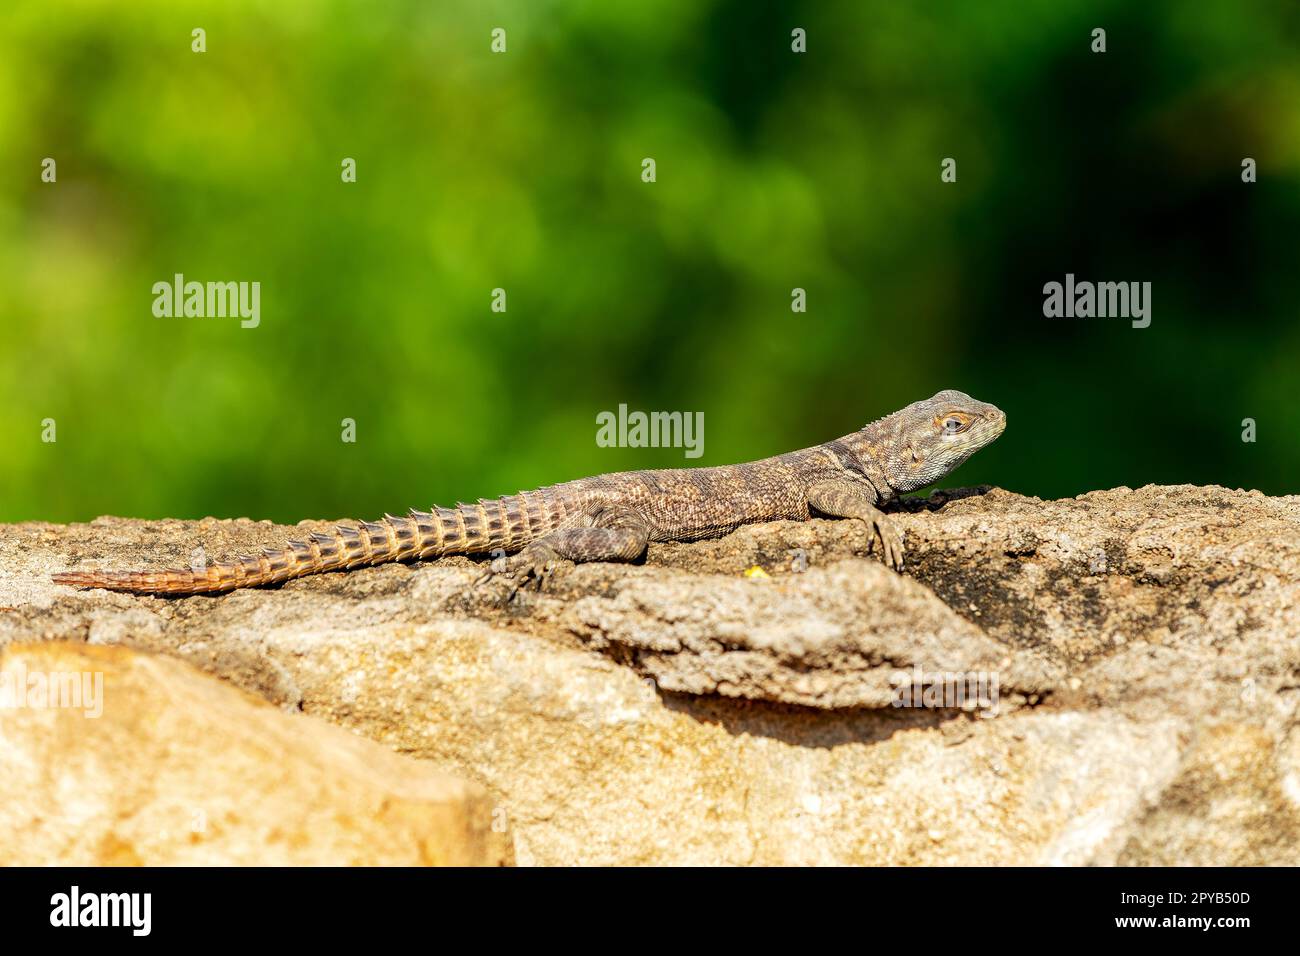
{"x": 522, "y": 171}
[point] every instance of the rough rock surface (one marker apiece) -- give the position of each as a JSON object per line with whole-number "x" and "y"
{"x": 111, "y": 757}
{"x": 1146, "y": 647}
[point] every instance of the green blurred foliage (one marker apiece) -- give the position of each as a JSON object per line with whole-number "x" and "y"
{"x": 522, "y": 170}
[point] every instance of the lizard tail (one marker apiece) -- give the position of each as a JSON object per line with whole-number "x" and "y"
{"x": 506, "y": 523}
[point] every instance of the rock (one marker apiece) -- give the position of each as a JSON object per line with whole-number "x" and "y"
{"x": 833, "y": 637}
{"x": 1146, "y": 646}
{"x": 138, "y": 759}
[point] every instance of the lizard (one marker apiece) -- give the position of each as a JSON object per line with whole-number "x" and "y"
{"x": 614, "y": 517}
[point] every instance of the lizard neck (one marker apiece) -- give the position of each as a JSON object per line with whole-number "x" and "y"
{"x": 863, "y": 453}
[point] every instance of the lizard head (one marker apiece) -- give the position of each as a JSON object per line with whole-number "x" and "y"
{"x": 932, "y": 437}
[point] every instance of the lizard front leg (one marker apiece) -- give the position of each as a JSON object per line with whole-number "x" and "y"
{"x": 615, "y": 536}
{"x": 844, "y": 499}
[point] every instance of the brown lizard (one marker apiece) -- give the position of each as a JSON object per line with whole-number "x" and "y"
{"x": 613, "y": 517}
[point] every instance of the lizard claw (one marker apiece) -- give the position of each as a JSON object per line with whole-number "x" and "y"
{"x": 891, "y": 542}
{"x": 494, "y": 567}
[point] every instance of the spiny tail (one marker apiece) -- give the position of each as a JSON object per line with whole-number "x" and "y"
{"x": 507, "y": 523}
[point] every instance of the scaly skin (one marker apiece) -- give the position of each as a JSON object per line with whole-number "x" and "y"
{"x": 613, "y": 517}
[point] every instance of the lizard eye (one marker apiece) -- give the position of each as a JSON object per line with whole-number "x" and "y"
{"x": 952, "y": 426}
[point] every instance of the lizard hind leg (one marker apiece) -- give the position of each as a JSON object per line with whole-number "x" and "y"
{"x": 617, "y": 536}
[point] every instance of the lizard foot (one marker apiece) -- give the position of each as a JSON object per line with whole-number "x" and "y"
{"x": 891, "y": 541}
{"x": 532, "y": 566}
